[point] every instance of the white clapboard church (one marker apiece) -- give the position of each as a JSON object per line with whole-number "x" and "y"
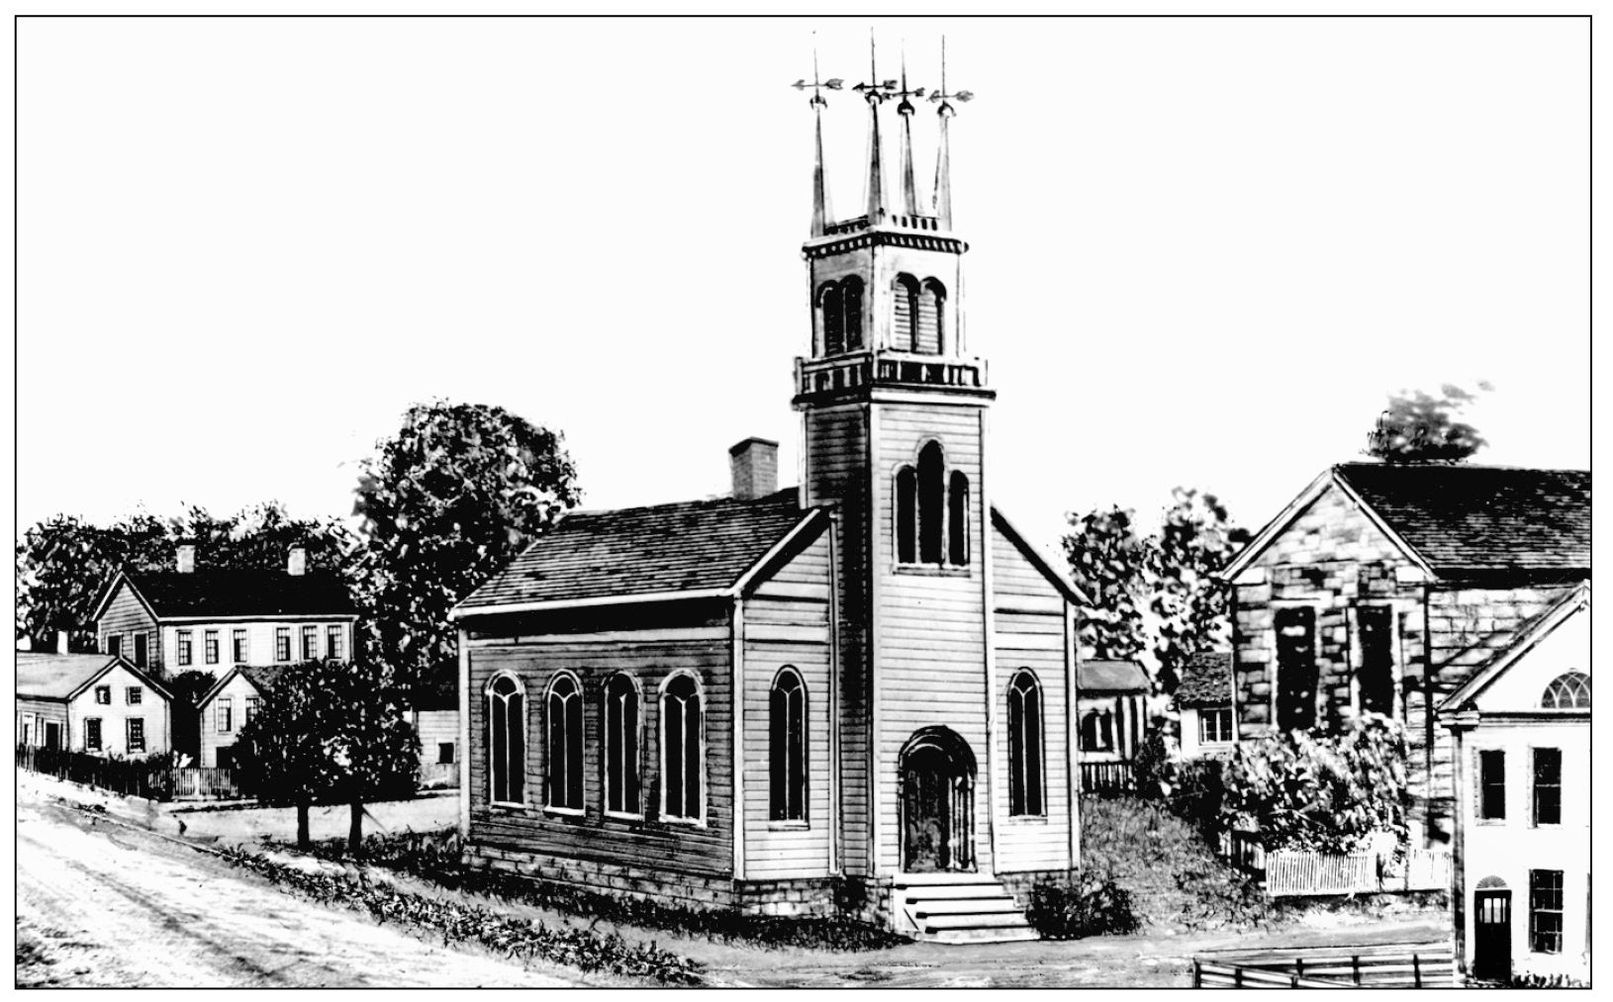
{"x": 853, "y": 694}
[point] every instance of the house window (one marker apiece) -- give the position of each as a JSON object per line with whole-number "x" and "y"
{"x": 1492, "y": 785}
{"x": 310, "y": 643}
{"x": 1024, "y": 745}
{"x": 1548, "y": 764}
{"x": 333, "y": 643}
{"x": 224, "y": 715}
{"x": 506, "y": 746}
{"x": 958, "y": 520}
{"x": 1375, "y": 629}
{"x": 182, "y": 647}
{"x": 92, "y": 734}
{"x": 253, "y": 704}
{"x": 931, "y": 502}
{"x": 1097, "y": 730}
{"x": 1568, "y": 691}
{"x": 787, "y": 747}
{"x": 139, "y": 650}
{"x": 282, "y": 643}
{"x": 681, "y": 760}
{"x": 132, "y": 695}
{"x": 114, "y": 644}
{"x": 564, "y": 764}
{"x": 621, "y": 746}
{"x": 137, "y": 734}
{"x": 238, "y": 647}
{"x": 445, "y": 753}
{"x": 1296, "y": 667}
{"x": 210, "y": 646}
{"x": 1546, "y": 911}
{"x": 1215, "y": 725}
{"x": 103, "y": 695}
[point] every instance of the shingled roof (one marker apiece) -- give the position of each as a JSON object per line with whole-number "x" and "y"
{"x": 1110, "y": 676}
{"x": 1206, "y": 680}
{"x": 691, "y": 546}
{"x": 171, "y": 594}
{"x": 60, "y": 676}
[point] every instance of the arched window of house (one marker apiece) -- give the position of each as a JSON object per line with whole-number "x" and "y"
{"x": 506, "y": 739}
{"x": 958, "y": 519}
{"x": 1025, "y": 745}
{"x": 682, "y": 761}
{"x": 1568, "y": 691}
{"x": 787, "y": 746}
{"x": 931, "y": 503}
{"x": 907, "y": 484}
{"x": 928, "y": 334}
{"x": 831, "y": 311}
{"x": 852, "y": 297}
{"x": 621, "y": 750}
{"x": 563, "y": 766}
{"x": 904, "y": 320}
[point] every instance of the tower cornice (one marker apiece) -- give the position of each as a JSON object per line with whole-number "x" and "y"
{"x": 918, "y": 232}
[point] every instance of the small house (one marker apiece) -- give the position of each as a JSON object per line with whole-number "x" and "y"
{"x": 1112, "y": 720}
{"x": 1203, "y": 703}
{"x": 433, "y": 709}
{"x": 226, "y": 708}
{"x": 92, "y": 703}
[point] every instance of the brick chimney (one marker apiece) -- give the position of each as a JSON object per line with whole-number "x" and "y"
{"x": 297, "y": 561}
{"x": 754, "y": 463}
{"x": 185, "y": 558}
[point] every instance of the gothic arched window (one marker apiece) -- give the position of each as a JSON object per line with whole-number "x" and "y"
{"x": 563, "y": 718}
{"x": 1025, "y": 744}
{"x": 1568, "y": 691}
{"x": 931, "y": 503}
{"x": 958, "y": 519}
{"x": 931, "y": 310}
{"x": 831, "y": 309}
{"x": 852, "y": 297}
{"x": 681, "y": 760}
{"x": 787, "y": 747}
{"x": 904, "y": 319}
{"x": 621, "y": 745}
{"x": 907, "y": 515}
{"x": 506, "y": 739}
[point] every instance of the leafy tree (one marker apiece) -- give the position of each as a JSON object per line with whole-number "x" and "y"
{"x": 446, "y": 502}
{"x": 1195, "y": 541}
{"x": 188, "y": 687}
{"x": 1109, "y": 561}
{"x": 280, "y": 756}
{"x": 374, "y": 751}
{"x": 1418, "y": 427}
{"x": 1319, "y": 791}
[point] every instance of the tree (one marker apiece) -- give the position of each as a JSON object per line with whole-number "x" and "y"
{"x": 1418, "y": 427}
{"x": 1196, "y": 540}
{"x": 280, "y": 756}
{"x": 374, "y": 751}
{"x": 1109, "y": 562}
{"x": 187, "y": 688}
{"x": 446, "y": 502}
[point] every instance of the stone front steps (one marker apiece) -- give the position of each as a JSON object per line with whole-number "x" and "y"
{"x": 959, "y": 908}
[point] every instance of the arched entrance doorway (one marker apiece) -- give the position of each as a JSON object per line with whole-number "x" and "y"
{"x": 1492, "y": 930}
{"x": 938, "y": 802}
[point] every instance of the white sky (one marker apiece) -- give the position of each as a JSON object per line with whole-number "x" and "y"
{"x": 1203, "y": 251}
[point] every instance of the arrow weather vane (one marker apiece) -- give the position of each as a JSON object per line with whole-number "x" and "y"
{"x": 905, "y": 108}
{"x": 942, "y": 95}
{"x": 875, "y": 90}
{"x": 816, "y": 87}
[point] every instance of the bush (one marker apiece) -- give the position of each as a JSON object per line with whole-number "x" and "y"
{"x": 1545, "y": 981}
{"x": 1081, "y": 904}
{"x": 1153, "y": 769}
{"x": 1197, "y": 794}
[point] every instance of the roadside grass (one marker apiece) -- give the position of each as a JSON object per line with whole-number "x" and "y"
{"x": 437, "y": 859}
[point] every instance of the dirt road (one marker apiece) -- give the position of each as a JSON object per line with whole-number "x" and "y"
{"x": 100, "y": 904}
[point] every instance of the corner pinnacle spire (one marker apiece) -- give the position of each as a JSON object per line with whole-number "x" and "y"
{"x": 875, "y": 91}
{"x": 943, "y": 156}
{"x": 910, "y": 199}
{"x": 820, "y": 188}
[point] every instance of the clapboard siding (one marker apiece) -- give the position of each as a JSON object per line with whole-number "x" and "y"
{"x": 237, "y": 690}
{"x": 649, "y": 842}
{"x": 34, "y": 714}
{"x": 125, "y": 616}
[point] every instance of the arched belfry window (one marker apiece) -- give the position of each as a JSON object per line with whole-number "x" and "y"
{"x": 832, "y": 310}
{"x": 932, "y": 528}
{"x": 905, "y": 318}
{"x": 506, "y": 739}
{"x": 907, "y": 515}
{"x": 621, "y": 719}
{"x": 852, "y": 302}
{"x": 928, "y": 335}
{"x": 1025, "y": 745}
{"x": 1568, "y": 691}
{"x": 787, "y": 747}
{"x": 563, "y": 767}
{"x": 932, "y": 511}
{"x": 682, "y": 764}
{"x": 958, "y": 519}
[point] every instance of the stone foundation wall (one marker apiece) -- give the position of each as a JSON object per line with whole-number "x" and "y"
{"x": 1020, "y": 884}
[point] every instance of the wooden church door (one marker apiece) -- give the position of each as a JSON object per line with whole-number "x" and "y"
{"x": 937, "y": 811}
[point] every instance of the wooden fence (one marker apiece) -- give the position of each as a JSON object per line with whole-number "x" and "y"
{"x": 204, "y": 784}
{"x": 1107, "y": 777}
{"x": 134, "y": 777}
{"x": 1392, "y": 965}
{"x": 1290, "y": 873}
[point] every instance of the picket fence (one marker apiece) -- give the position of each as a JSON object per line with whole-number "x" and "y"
{"x": 203, "y": 784}
{"x": 1293, "y": 873}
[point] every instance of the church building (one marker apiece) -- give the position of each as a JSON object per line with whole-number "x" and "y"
{"x": 855, "y": 694}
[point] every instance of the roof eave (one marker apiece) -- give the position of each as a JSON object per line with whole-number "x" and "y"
{"x": 461, "y": 612}
{"x": 1072, "y": 592}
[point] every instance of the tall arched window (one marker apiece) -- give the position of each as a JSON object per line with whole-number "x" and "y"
{"x": 564, "y": 764}
{"x": 931, "y": 503}
{"x": 831, "y": 309}
{"x": 852, "y": 295}
{"x": 1025, "y": 745}
{"x": 1568, "y": 691}
{"x": 958, "y": 519}
{"x": 681, "y": 758}
{"x": 904, "y": 321}
{"x": 621, "y": 746}
{"x": 787, "y": 747}
{"x": 907, "y": 514}
{"x": 931, "y": 307}
{"x": 506, "y": 740}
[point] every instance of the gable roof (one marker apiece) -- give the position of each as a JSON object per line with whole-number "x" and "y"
{"x": 1530, "y": 633}
{"x": 1456, "y": 520}
{"x": 232, "y": 593}
{"x": 261, "y": 678}
{"x": 687, "y": 549}
{"x": 1206, "y": 680}
{"x": 64, "y": 676}
{"x": 1110, "y": 676}
{"x": 1072, "y": 594}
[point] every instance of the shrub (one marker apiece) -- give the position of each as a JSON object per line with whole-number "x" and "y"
{"x": 1545, "y": 981}
{"x": 1197, "y": 794}
{"x": 1153, "y": 769}
{"x": 1081, "y": 904}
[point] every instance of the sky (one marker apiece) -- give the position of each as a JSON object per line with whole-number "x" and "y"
{"x": 1203, "y": 252}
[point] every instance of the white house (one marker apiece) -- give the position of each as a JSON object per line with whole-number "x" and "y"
{"x": 226, "y": 708}
{"x": 1204, "y": 701}
{"x": 1521, "y": 729}
{"x": 1111, "y": 719}
{"x": 92, "y": 703}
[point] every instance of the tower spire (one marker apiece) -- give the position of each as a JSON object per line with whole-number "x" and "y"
{"x": 910, "y": 198}
{"x": 875, "y": 90}
{"x": 943, "y": 156}
{"x": 820, "y": 188}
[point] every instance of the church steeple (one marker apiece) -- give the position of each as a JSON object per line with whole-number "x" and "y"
{"x": 875, "y": 91}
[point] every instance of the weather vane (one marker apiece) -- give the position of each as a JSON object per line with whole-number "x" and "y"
{"x": 941, "y": 95}
{"x": 818, "y": 88}
{"x": 905, "y": 108}
{"x": 875, "y": 90}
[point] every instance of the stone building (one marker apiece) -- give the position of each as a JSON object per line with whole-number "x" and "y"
{"x": 1383, "y": 587}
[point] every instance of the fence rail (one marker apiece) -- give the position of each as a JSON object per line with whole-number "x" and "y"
{"x": 1107, "y": 777}
{"x": 1394, "y": 965}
